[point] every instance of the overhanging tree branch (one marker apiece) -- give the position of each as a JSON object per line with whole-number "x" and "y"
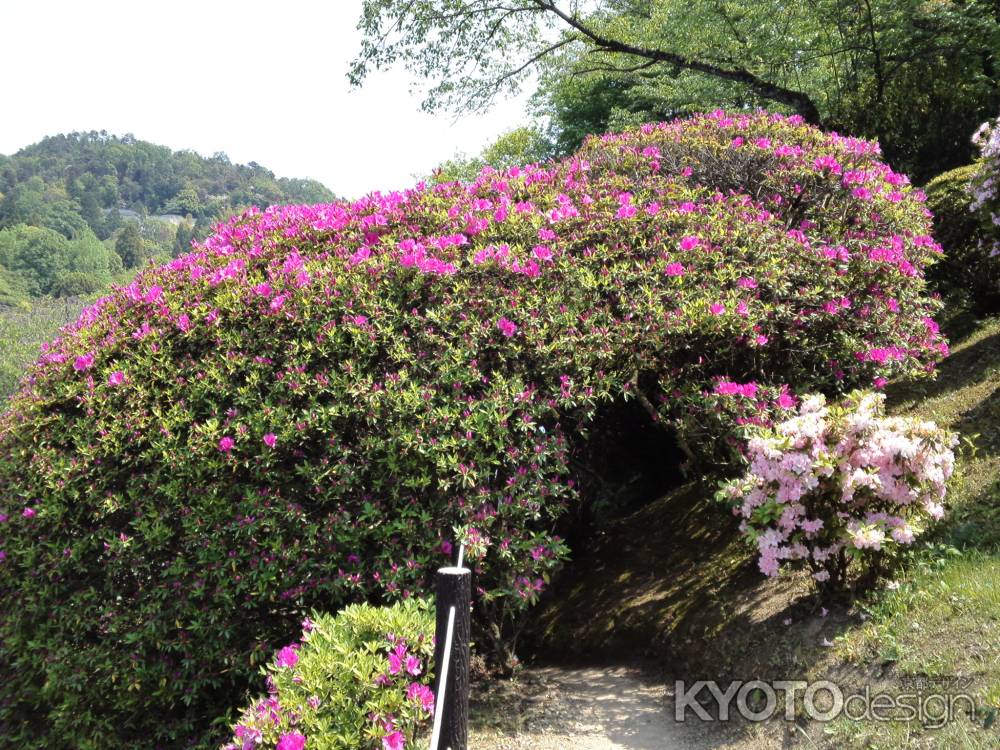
{"x": 799, "y": 101}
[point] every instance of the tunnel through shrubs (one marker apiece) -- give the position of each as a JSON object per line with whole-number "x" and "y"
{"x": 311, "y": 407}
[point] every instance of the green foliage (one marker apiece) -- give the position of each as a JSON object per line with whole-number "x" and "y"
{"x": 918, "y": 76}
{"x": 39, "y": 257}
{"x": 524, "y": 145}
{"x": 966, "y": 274}
{"x": 77, "y": 284}
{"x": 130, "y": 247}
{"x": 13, "y": 293}
{"x": 352, "y": 682}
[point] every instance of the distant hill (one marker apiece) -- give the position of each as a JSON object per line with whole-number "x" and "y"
{"x": 80, "y": 210}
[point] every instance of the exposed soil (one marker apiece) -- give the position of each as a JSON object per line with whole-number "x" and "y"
{"x": 593, "y": 708}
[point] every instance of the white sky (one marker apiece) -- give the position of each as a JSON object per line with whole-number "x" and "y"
{"x": 262, "y": 81}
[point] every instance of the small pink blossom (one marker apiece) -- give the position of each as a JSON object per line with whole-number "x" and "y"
{"x": 29, "y": 513}
{"x": 507, "y": 327}
{"x": 413, "y": 665}
{"x": 542, "y": 252}
{"x": 288, "y": 656}
{"x": 226, "y": 444}
{"x": 270, "y": 440}
{"x": 394, "y": 741}
{"x": 291, "y": 741}
{"x": 421, "y": 694}
{"x": 116, "y": 378}
{"x": 83, "y": 362}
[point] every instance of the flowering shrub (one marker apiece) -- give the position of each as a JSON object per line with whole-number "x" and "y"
{"x": 965, "y": 209}
{"x": 832, "y": 485}
{"x": 299, "y": 413}
{"x": 359, "y": 680}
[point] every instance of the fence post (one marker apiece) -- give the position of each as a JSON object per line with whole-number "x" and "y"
{"x": 453, "y": 589}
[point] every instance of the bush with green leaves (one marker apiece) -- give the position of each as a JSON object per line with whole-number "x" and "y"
{"x": 300, "y": 413}
{"x": 969, "y": 272}
{"x": 359, "y": 680}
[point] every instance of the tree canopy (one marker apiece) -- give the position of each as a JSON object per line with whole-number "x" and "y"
{"x": 917, "y": 76}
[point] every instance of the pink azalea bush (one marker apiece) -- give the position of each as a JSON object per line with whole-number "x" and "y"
{"x": 833, "y": 485}
{"x": 301, "y": 412}
{"x": 358, "y": 680}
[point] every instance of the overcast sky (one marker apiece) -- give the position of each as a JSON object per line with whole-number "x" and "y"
{"x": 261, "y": 81}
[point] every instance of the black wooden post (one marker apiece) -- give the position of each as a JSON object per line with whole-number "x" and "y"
{"x": 453, "y": 589}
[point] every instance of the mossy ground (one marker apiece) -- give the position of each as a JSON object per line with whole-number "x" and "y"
{"x": 673, "y": 582}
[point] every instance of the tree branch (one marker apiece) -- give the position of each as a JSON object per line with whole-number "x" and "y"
{"x": 799, "y": 101}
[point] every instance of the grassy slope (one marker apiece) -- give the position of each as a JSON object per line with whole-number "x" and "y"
{"x": 673, "y": 581}
{"x": 23, "y": 330}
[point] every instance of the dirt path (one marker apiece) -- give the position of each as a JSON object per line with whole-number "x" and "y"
{"x": 617, "y": 708}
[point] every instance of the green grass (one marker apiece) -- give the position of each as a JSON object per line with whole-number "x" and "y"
{"x": 941, "y": 618}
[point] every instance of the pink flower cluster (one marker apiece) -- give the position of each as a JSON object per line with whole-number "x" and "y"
{"x": 832, "y": 482}
{"x": 326, "y": 680}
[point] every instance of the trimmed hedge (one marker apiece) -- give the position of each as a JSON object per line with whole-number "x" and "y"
{"x": 305, "y": 410}
{"x": 967, "y": 271}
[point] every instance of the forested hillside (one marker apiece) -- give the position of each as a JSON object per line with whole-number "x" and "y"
{"x": 79, "y": 210}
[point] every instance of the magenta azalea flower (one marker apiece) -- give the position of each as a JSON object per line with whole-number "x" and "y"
{"x": 413, "y": 665}
{"x": 542, "y": 252}
{"x": 395, "y": 663}
{"x": 288, "y": 656}
{"x": 717, "y": 308}
{"x": 674, "y": 269}
{"x": 291, "y": 741}
{"x": 29, "y": 513}
{"x": 394, "y": 741}
{"x": 116, "y": 378}
{"x": 785, "y": 401}
{"x": 226, "y": 444}
{"x": 270, "y": 440}
{"x": 421, "y": 694}
{"x": 507, "y": 327}
{"x": 84, "y": 362}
